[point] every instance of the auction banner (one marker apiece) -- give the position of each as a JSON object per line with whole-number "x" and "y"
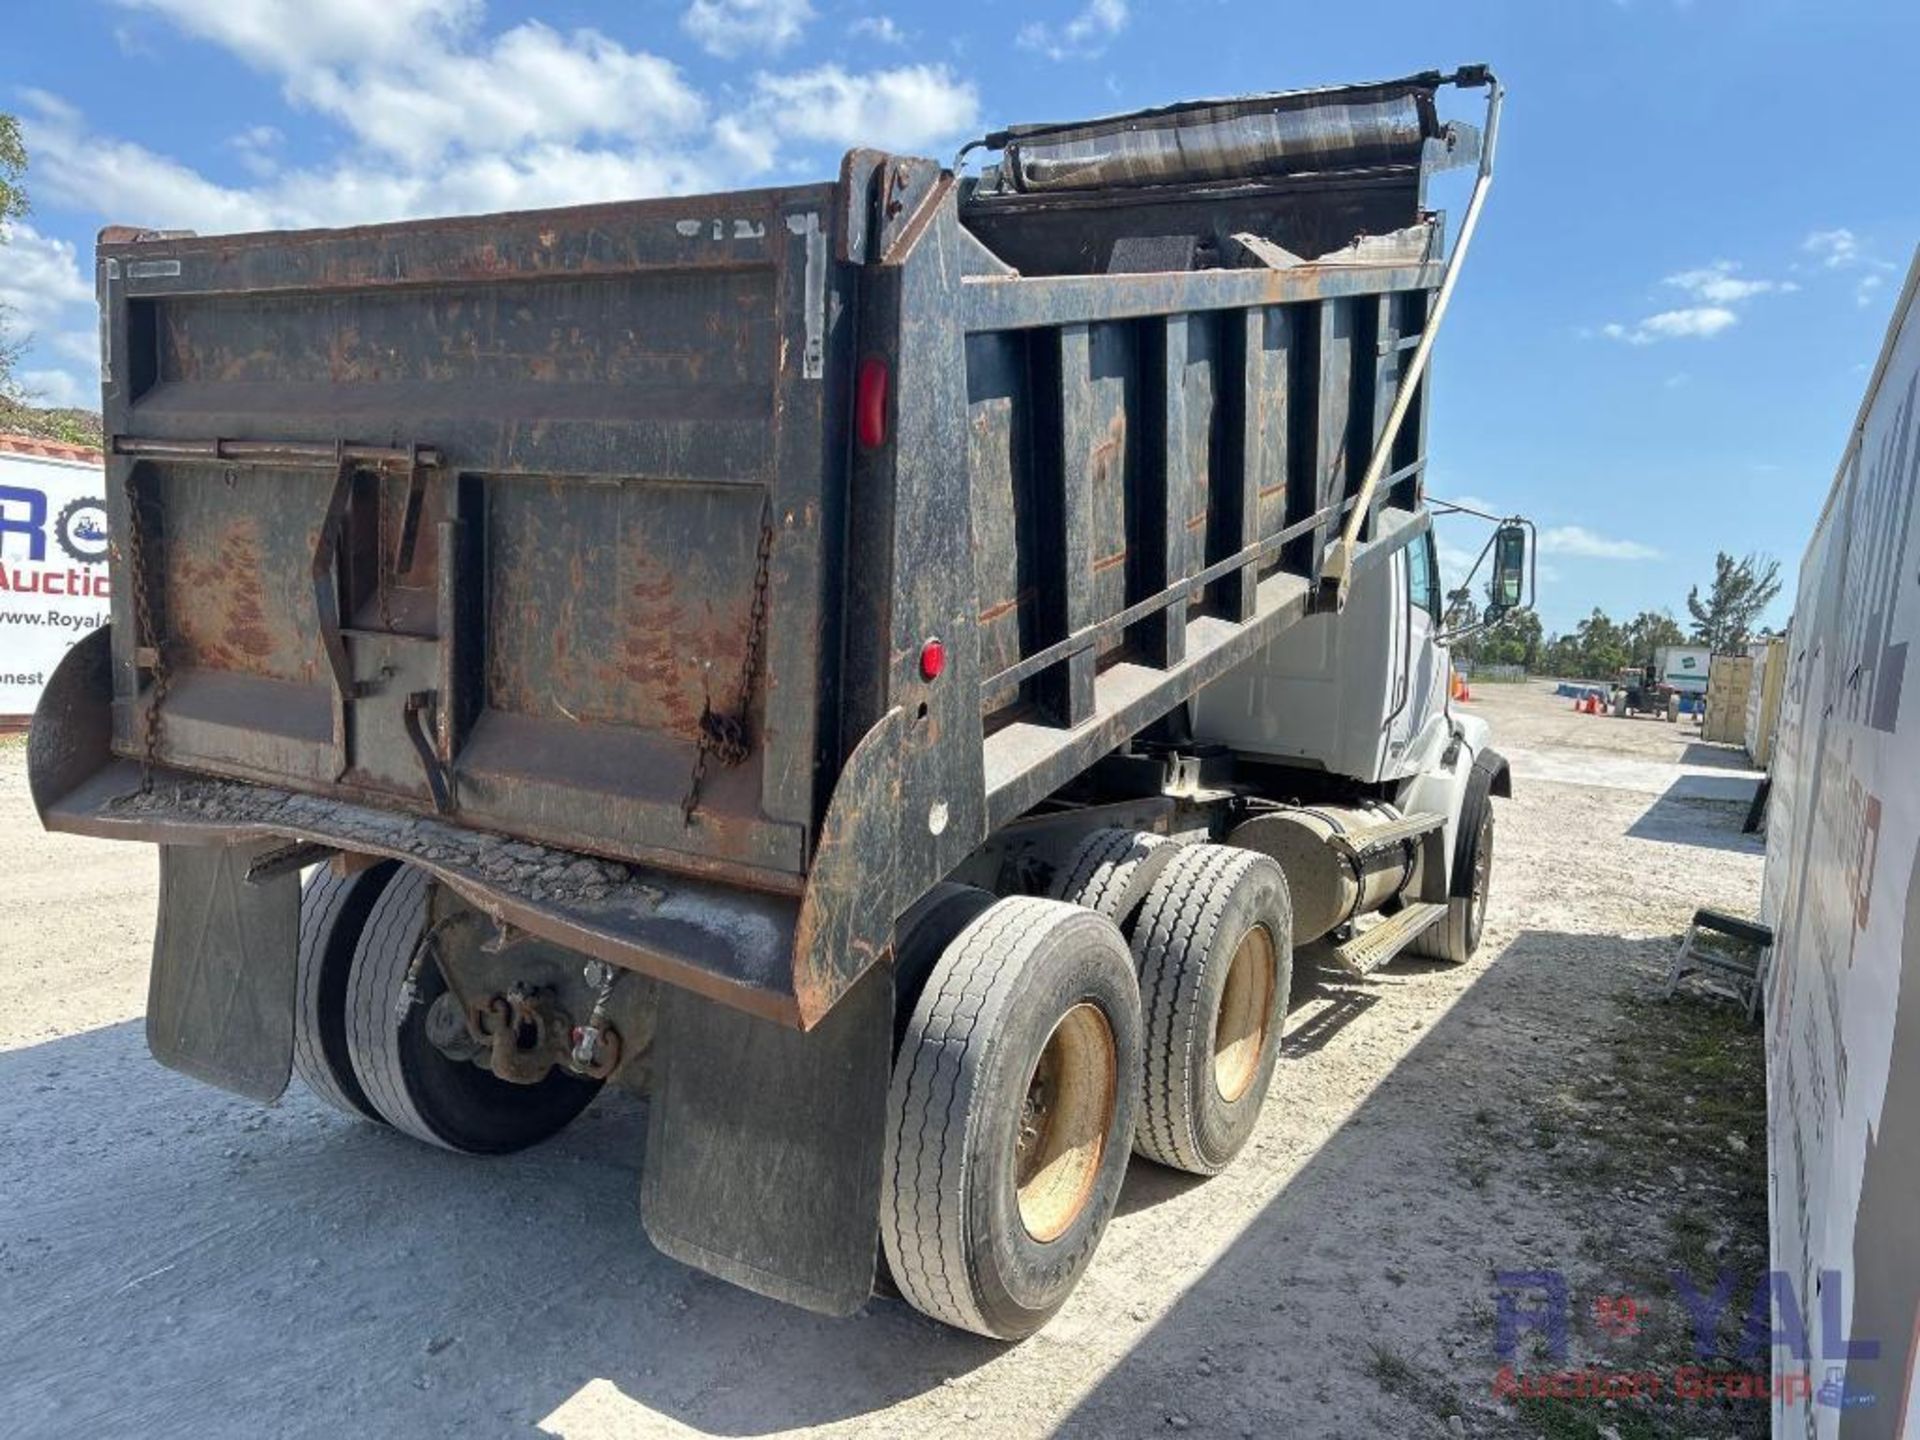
{"x": 1842, "y": 891}
{"x": 53, "y": 562}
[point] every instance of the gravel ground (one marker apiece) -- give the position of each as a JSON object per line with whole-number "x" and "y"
{"x": 175, "y": 1262}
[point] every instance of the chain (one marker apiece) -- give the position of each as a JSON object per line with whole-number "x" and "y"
{"x": 724, "y": 737}
{"x": 146, "y": 636}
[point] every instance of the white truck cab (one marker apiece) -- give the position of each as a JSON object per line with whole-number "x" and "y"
{"x": 1356, "y": 706}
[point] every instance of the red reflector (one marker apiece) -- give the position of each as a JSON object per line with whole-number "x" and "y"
{"x": 870, "y": 404}
{"x": 933, "y": 659}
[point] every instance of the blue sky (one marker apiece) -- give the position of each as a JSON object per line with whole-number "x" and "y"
{"x": 1703, "y": 211}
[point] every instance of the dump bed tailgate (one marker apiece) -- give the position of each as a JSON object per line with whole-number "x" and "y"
{"x": 491, "y": 516}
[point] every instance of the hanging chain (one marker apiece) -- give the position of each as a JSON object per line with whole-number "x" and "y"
{"x": 146, "y": 636}
{"x": 724, "y": 737}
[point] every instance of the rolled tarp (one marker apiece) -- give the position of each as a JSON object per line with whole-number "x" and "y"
{"x": 1266, "y": 136}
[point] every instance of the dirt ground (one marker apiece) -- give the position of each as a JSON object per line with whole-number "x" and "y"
{"x": 175, "y": 1262}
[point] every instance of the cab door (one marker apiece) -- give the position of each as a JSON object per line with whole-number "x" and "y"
{"x": 1421, "y": 682}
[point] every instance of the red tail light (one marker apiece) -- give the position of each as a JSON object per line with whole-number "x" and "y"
{"x": 933, "y": 659}
{"x": 870, "y": 404}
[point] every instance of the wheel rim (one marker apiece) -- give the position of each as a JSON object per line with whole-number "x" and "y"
{"x": 1482, "y": 873}
{"x": 1240, "y": 1029}
{"x": 1064, "y": 1120}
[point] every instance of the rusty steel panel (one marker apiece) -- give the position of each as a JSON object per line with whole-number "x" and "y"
{"x": 621, "y": 605}
{"x": 592, "y": 543}
{"x": 233, "y": 568}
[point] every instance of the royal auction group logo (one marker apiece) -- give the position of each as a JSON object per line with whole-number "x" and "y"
{"x": 81, "y": 530}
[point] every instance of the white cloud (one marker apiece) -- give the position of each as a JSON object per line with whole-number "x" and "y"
{"x": 1717, "y": 284}
{"x": 39, "y": 276}
{"x": 1455, "y": 563}
{"x": 60, "y": 389}
{"x": 1836, "y": 249}
{"x": 532, "y": 85}
{"x": 904, "y": 108}
{"x": 734, "y": 27}
{"x": 1480, "y": 503}
{"x": 1841, "y": 249}
{"x": 295, "y": 35}
{"x": 48, "y": 301}
{"x": 443, "y": 117}
{"x": 1578, "y": 540}
{"x": 1083, "y": 37}
{"x": 1699, "y": 322}
{"x": 258, "y": 149}
{"x": 1718, "y": 287}
{"x": 879, "y": 27}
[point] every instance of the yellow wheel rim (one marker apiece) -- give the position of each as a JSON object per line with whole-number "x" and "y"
{"x": 1240, "y": 1029}
{"x": 1064, "y": 1119}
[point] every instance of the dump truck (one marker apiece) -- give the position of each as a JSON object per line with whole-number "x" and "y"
{"x": 890, "y": 669}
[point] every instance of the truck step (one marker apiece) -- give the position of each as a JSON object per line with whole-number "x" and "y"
{"x": 1369, "y": 838}
{"x": 1381, "y": 941}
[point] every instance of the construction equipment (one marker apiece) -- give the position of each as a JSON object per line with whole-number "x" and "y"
{"x": 816, "y": 655}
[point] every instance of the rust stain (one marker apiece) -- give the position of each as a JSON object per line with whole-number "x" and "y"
{"x": 679, "y": 642}
{"x": 994, "y": 612}
{"x": 1109, "y": 450}
{"x": 218, "y": 598}
{"x": 1107, "y": 562}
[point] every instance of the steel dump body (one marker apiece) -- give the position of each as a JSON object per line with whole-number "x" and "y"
{"x": 452, "y": 539}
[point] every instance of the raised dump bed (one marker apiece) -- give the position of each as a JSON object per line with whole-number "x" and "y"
{"x": 695, "y": 584}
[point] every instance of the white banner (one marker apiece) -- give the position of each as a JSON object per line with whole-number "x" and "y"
{"x": 53, "y": 561}
{"x": 1842, "y": 890}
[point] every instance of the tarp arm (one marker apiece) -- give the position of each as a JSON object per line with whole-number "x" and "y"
{"x": 1336, "y": 573}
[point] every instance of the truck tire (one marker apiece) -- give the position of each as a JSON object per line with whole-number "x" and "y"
{"x": 921, "y": 937}
{"x": 1214, "y": 946}
{"x": 1111, "y": 871}
{"x": 450, "y": 1103}
{"x": 1455, "y": 938}
{"x": 1009, "y": 1116}
{"x": 333, "y": 910}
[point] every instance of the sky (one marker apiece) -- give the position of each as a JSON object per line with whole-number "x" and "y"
{"x": 1702, "y": 213}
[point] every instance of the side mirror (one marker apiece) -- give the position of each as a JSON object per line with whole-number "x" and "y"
{"x": 1509, "y": 583}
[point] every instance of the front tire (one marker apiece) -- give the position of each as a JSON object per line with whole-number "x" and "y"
{"x": 453, "y": 1104}
{"x": 1009, "y": 1116}
{"x": 1455, "y": 938}
{"x": 1214, "y": 945}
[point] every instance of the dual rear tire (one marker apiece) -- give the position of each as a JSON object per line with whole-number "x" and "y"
{"x": 1009, "y": 1116}
{"x": 1043, "y": 1044}
{"x": 359, "y": 937}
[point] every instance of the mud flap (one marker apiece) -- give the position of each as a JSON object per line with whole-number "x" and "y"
{"x": 763, "y": 1145}
{"x": 220, "y": 1000}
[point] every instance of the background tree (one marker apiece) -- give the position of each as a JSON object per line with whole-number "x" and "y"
{"x": 18, "y": 414}
{"x": 1516, "y": 640}
{"x": 13, "y": 205}
{"x": 1741, "y": 589}
{"x": 1647, "y": 632}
